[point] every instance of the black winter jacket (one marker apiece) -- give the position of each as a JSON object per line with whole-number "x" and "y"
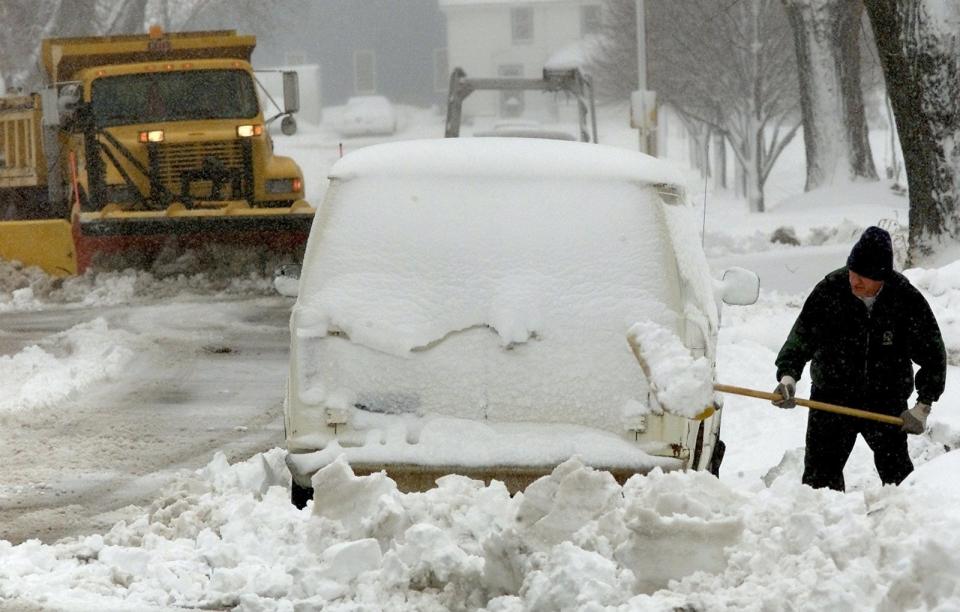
{"x": 864, "y": 357}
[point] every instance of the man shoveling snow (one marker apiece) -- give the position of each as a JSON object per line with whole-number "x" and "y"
{"x": 862, "y": 328}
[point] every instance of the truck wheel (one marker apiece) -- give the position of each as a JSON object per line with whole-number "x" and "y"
{"x": 299, "y": 496}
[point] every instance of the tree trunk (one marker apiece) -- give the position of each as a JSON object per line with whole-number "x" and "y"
{"x": 920, "y": 54}
{"x": 754, "y": 172}
{"x": 705, "y": 153}
{"x": 826, "y": 38}
{"x": 719, "y": 160}
{"x": 740, "y": 179}
{"x": 698, "y": 134}
{"x": 754, "y": 131}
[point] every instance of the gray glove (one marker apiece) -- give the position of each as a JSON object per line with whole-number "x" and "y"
{"x": 915, "y": 419}
{"x": 787, "y": 390}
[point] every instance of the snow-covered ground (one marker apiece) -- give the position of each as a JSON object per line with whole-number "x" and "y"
{"x": 118, "y": 387}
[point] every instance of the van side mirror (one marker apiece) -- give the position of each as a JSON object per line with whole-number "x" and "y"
{"x": 286, "y": 280}
{"x": 739, "y": 287}
{"x": 291, "y": 92}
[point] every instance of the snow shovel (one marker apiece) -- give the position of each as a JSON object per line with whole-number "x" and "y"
{"x": 642, "y": 354}
{"x": 854, "y": 412}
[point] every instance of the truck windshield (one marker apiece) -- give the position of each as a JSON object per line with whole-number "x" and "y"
{"x": 174, "y": 96}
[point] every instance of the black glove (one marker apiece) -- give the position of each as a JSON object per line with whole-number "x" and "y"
{"x": 787, "y": 390}
{"x": 915, "y": 419}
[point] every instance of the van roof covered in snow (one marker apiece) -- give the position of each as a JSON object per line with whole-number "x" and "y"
{"x": 505, "y": 157}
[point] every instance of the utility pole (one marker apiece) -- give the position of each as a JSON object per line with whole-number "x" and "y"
{"x": 643, "y": 103}
{"x": 641, "y": 45}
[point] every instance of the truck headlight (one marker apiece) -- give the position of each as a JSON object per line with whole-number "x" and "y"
{"x": 286, "y": 185}
{"x": 151, "y": 136}
{"x": 246, "y": 131}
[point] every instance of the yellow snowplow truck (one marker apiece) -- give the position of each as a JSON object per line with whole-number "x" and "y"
{"x": 141, "y": 142}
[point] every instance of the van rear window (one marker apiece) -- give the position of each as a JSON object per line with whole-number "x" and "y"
{"x": 501, "y": 297}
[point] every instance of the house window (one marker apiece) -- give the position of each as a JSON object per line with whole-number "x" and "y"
{"x": 441, "y": 72}
{"x": 511, "y": 102}
{"x": 365, "y": 71}
{"x": 590, "y": 19}
{"x": 521, "y": 24}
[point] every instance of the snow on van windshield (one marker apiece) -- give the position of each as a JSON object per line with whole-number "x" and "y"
{"x": 503, "y": 299}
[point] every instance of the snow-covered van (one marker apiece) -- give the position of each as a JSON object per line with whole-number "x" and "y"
{"x": 464, "y": 305}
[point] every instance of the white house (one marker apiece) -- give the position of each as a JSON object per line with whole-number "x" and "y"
{"x": 489, "y": 38}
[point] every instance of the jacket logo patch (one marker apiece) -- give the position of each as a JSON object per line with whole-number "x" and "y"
{"x": 887, "y": 338}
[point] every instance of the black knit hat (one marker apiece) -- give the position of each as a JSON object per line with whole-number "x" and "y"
{"x": 872, "y": 256}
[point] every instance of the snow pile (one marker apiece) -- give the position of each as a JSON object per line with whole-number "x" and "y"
{"x": 63, "y": 365}
{"x": 29, "y": 288}
{"x": 683, "y": 385}
{"x": 835, "y": 214}
{"x": 941, "y": 287}
{"x": 227, "y": 536}
{"x": 718, "y": 243}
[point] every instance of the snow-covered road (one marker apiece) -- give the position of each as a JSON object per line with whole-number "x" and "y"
{"x": 108, "y": 404}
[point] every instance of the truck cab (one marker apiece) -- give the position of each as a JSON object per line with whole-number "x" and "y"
{"x": 171, "y": 117}
{"x": 141, "y": 141}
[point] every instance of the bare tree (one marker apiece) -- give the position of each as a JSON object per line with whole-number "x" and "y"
{"x": 26, "y": 22}
{"x": 723, "y": 65}
{"x": 39, "y": 19}
{"x": 919, "y": 44}
{"x": 826, "y": 35}
{"x": 614, "y": 58}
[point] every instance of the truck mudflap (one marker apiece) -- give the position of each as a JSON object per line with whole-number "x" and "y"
{"x": 137, "y": 236}
{"x": 46, "y": 243}
{"x": 413, "y": 477}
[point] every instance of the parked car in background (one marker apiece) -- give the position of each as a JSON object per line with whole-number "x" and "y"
{"x": 368, "y": 116}
{"x": 464, "y": 305}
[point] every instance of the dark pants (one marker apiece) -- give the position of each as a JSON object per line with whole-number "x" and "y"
{"x": 830, "y": 439}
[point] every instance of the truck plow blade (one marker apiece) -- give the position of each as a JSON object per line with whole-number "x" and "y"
{"x": 116, "y": 239}
{"x": 113, "y": 238}
{"x": 45, "y": 243}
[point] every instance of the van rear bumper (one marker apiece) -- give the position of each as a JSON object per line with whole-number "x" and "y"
{"x": 413, "y": 477}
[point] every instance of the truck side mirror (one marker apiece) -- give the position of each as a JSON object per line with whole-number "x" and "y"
{"x": 739, "y": 287}
{"x": 69, "y": 98}
{"x": 291, "y": 92}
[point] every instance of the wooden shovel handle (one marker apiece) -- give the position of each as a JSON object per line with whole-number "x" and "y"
{"x": 862, "y": 414}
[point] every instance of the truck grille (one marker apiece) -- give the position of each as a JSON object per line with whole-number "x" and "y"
{"x": 171, "y": 161}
